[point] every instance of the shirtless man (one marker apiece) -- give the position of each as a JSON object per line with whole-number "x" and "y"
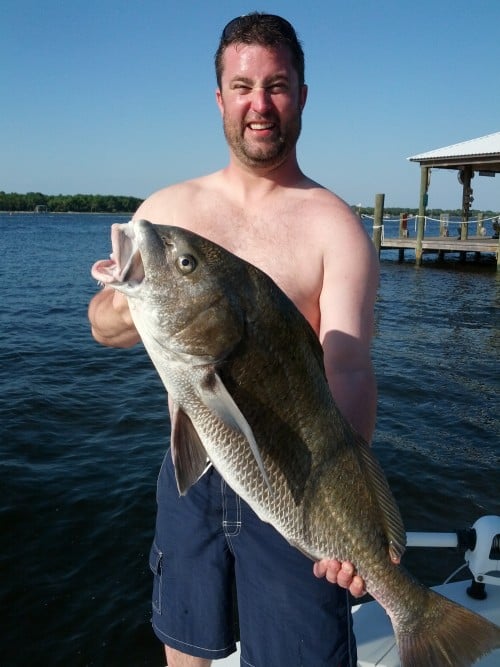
{"x": 265, "y": 210}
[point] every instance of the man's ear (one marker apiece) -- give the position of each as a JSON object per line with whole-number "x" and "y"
{"x": 218, "y": 99}
{"x": 303, "y": 96}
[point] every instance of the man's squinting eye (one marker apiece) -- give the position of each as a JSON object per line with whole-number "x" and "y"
{"x": 276, "y": 88}
{"x": 273, "y": 88}
{"x": 241, "y": 87}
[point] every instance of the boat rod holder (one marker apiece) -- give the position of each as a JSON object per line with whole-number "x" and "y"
{"x": 483, "y": 558}
{"x": 482, "y": 544}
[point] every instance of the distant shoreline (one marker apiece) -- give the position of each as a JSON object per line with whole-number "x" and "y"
{"x": 391, "y": 211}
{"x": 36, "y": 213}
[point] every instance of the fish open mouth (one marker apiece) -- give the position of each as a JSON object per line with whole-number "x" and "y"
{"x": 124, "y": 265}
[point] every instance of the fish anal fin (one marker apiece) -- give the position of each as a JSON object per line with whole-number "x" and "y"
{"x": 189, "y": 455}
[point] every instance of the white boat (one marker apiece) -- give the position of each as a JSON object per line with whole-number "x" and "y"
{"x": 372, "y": 627}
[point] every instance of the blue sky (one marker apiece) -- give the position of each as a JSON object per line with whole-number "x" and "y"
{"x": 117, "y": 96}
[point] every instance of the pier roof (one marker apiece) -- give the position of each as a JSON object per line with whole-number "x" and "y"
{"x": 481, "y": 154}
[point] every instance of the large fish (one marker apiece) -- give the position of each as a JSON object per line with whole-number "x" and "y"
{"x": 244, "y": 371}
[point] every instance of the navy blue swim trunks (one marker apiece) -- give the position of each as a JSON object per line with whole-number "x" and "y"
{"x": 212, "y": 555}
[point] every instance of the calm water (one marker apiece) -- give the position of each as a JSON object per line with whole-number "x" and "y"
{"x": 83, "y": 430}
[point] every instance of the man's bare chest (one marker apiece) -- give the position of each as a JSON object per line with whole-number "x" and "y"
{"x": 280, "y": 248}
{"x": 266, "y": 242}
{"x": 277, "y": 239}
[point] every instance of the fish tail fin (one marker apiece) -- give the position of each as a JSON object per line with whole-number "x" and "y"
{"x": 446, "y": 634}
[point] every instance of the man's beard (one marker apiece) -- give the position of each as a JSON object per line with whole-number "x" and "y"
{"x": 269, "y": 152}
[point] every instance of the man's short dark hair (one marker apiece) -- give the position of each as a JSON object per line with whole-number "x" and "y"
{"x": 266, "y": 30}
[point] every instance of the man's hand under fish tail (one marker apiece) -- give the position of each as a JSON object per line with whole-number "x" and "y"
{"x": 343, "y": 574}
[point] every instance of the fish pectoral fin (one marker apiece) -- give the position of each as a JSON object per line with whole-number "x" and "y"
{"x": 219, "y": 401}
{"x": 188, "y": 454}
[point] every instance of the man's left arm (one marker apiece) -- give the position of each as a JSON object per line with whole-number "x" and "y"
{"x": 347, "y": 303}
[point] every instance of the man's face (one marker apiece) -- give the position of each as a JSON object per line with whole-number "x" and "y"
{"x": 261, "y": 104}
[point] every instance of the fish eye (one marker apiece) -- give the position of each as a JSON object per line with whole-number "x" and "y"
{"x": 186, "y": 264}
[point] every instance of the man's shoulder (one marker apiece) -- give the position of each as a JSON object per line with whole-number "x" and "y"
{"x": 184, "y": 189}
{"x": 332, "y": 216}
{"x": 336, "y": 228}
{"x": 176, "y": 197}
{"x": 327, "y": 200}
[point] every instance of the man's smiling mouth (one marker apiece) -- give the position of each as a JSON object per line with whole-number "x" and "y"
{"x": 261, "y": 126}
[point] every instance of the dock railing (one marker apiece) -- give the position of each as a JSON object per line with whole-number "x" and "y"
{"x": 439, "y": 235}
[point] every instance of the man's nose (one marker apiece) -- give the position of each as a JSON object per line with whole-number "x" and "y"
{"x": 261, "y": 100}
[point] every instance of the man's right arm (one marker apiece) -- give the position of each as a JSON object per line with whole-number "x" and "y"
{"x": 110, "y": 319}
{"x": 108, "y": 312}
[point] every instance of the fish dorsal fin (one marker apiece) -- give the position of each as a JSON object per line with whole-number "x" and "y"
{"x": 188, "y": 453}
{"x": 391, "y": 516}
{"x": 219, "y": 401}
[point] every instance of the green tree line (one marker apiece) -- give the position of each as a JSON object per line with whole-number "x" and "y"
{"x": 31, "y": 201}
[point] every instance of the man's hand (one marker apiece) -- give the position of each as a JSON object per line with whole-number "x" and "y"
{"x": 343, "y": 574}
{"x": 111, "y": 321}
{"x": 120, "y": 305}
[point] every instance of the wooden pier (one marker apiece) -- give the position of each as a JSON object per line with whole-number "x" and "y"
{"x": 442, "y": 245}
{"x": 479, "y": 156}
{"x": 484, "y": 242}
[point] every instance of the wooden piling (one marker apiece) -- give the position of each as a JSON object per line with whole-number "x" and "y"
{"x": 403, "y": 234}
{"x": 443, "y": 230}
{"x": 466, "y": 175}
{"x": 424, "y": 184}
{"x": 378, "y": 217}
{"x": 480, "y": 226}
{"x": 444, "y": 221}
